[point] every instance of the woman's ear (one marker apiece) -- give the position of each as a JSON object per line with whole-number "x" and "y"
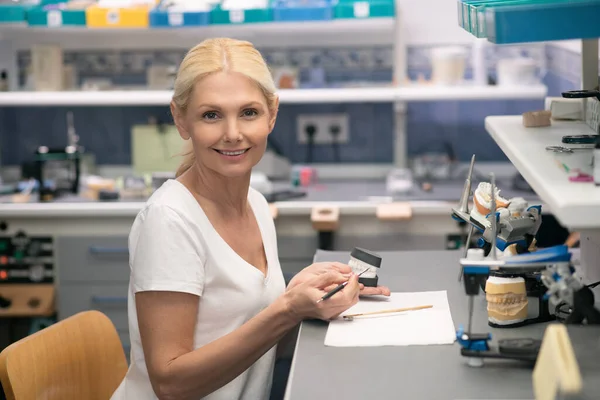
{"x": 178, "y": 118}
{"x": 273, "y": 115}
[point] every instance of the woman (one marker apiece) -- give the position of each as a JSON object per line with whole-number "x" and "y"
{"x": 207, "y": 299}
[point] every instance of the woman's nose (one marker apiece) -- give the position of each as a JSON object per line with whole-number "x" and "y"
{"x": 232, "y": 132}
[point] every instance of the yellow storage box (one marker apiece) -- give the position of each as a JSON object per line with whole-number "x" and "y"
{"x": 126, "y": 17}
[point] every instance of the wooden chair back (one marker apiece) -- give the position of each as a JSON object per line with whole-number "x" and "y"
{"x": 80, "y": 357}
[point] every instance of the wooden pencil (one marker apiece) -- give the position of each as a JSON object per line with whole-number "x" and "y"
{"x": 394, "y": 310}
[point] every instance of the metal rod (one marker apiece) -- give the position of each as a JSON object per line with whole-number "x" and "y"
{"x": 494, "y": 225}
{"x": 470, "y": 314}
{"x": 463, "y": 204}
{"x": 466, "y": 251}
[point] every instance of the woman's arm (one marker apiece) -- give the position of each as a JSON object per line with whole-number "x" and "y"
{"x": 167, "y": 321}
{"x": 285, "y": 347}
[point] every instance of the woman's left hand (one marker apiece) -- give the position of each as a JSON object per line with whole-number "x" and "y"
{"x": 373, "y": 291}
{"x": 322, "y": 267}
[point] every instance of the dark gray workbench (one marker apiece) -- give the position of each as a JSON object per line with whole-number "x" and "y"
{"x": 413, "y": 372}
{"x": 363, "y": 190}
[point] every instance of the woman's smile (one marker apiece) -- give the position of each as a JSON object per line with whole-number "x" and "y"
{"x": 232, "y": 155}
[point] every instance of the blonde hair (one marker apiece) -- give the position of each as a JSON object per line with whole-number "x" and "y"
{"x": 215, "y": 55}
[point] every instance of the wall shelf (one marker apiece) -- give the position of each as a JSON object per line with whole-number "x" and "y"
{"x": 373, "y": 31}
{"x": 575, "y": 205}
{"x": 289, "y": 96}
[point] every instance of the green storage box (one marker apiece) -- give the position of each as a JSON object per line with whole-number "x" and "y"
{"x": 219, "y": 16}
{"x": 55, "y": 18}
{"x": 13, "y": 14}
{"x": 345, "y": 9}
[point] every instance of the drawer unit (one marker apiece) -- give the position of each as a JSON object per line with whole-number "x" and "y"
{"x": 108, "y": 299}
{"x": 93, "y": 259}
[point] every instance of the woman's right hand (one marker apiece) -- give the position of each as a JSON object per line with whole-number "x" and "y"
{"x": 302, "y": 299}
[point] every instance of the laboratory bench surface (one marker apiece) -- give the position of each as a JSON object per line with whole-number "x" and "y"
{"x": 355, "y": 196}
{"x": 436, "y": 372}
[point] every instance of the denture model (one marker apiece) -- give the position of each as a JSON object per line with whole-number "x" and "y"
{"x": 507, "y": 300}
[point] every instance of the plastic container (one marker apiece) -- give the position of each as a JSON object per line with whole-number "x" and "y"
{"x": 448, "y": 65}
{"x": 347, "y": 9}
{"x": 520, "y": 71}
{"x": 520, "y": 21}
{"x": 302, "y": 10}
{"x": 104, "y": 17}
{"x": 221, "y": 16}
{"x": 14, "y": 13}
{"x": 172, "y": 19}
{"x": 576, "y": 19}
{"x": 56, "y": 14}
{"x": 399, "y": 180}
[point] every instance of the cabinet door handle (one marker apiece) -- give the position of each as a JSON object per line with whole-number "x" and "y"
{"x": 109, "y": 300}
{"x": 108, "y": 250}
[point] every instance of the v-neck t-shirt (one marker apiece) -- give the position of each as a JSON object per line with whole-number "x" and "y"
{"x": 174, "y": 247}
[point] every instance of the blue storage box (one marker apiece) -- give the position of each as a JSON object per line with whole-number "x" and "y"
{"x": 220, "y": 16}
{"x": 364, "y": 9}
{"x": 576, "y": 19}
{"x": 161, "y": 17}
{"x": 302, "y": 10}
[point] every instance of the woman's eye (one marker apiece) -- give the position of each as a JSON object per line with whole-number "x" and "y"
{"x": 250, "y": 113}
{"x": 210, "y": 115}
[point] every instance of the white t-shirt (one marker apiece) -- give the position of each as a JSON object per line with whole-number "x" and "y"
{"x": 174, "y": 247}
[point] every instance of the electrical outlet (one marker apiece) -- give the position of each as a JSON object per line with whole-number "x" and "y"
{"x": 323, "y": 124}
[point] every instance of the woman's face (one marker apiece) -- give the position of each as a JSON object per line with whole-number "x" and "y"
{"x": 228, "y": 121}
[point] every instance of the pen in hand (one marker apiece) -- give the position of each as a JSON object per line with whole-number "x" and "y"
{"x": 337, "y": 289}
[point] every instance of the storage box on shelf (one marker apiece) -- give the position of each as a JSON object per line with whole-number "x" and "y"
{"x": 58, "y": 13}
{"x": 364, "y": 9}
{"x": 165, "y": 18}
{"x": 241, "y": 16}
{"x": 302, "y": 10}
{"x": 522, "y": 21}
{"x": 137, "y": 16}
{"x": 14, "y": 13}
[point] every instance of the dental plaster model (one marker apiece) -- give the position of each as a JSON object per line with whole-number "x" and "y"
{"x": 361, "y": 260}
{"x": 512, "y": 209}
{"x": 483, "y": 201}
{"x": 507, "y": 300}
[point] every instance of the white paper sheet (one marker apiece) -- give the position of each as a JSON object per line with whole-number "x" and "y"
{"x": 422, "y": 327}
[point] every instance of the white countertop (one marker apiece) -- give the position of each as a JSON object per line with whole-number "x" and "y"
{"x": 575, "y": 205}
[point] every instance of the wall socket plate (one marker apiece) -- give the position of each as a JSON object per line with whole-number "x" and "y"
{"x": 323, "y": 124}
